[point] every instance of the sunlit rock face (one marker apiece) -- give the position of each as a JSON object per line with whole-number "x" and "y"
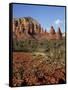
{"x": 52, "y": 34}
{"x": 59, "y": 34}
{"x": 27, "y": 27}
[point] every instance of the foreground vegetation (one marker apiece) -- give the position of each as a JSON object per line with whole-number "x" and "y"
{"x": 39, "y": 62}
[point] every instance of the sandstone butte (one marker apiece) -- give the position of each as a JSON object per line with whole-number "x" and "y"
{"x": 27, "y": 27}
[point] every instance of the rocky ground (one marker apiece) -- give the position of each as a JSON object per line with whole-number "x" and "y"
{"x": 36, "y": 69}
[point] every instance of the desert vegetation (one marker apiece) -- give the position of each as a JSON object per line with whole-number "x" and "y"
{"x": 38, "y": 62}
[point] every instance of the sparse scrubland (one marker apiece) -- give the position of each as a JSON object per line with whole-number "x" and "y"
{"x": 38, "y": 62}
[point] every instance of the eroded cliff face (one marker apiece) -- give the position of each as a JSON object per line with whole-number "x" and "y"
{"x": 59, "y": 34}
{"x": 55, "y": 35}
{"x": 27, "y": 27}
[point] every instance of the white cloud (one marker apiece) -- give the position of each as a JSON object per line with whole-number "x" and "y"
{"x": 58, "y": 22}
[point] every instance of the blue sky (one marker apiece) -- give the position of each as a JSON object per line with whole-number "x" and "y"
{"x": 45, "y": 15}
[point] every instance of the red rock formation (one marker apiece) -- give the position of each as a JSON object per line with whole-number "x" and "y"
{"x": 52, "y": 34}
{"x": 45, "y": 31}
{"x": 52, "y": 30}
{"x": 23, "y": 29}
{"x": 59, "y": 34}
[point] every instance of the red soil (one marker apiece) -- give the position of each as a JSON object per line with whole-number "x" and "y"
{"x": 27, "y": 71}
